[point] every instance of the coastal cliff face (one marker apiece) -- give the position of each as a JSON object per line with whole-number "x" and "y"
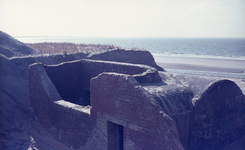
{"x": 195, "y": 112}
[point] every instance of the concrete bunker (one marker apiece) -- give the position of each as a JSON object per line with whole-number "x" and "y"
{"x": 72, "y": 79}
{"x": 113, "y": 121}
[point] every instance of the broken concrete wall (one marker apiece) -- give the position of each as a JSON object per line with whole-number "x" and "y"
{"x": 128, "y": 56}
{"x": 116, "y": 97}
{"x": 77, "y": 127}
{"x": 213, "y": 116}
{"x": 114, "y": 100}
{"x": 15, "y": 58}
{"x": 72, "y": 79}
{"x": 70, "y": 127}
{"x": 14, "y": 92}
{"x": 175, "y": 100}
{"x": 55, "y": 122}
{"x": 120, "y": 99}
{"x": 219, "y": 116}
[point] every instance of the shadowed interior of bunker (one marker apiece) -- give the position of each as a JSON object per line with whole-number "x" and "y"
{"x": 72, "y": 80}
{"x": 71, "y": 84}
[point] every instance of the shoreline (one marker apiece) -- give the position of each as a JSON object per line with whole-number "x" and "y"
{"x": 230, "y": 68}
{"x": 190, "y": 67}
{"x": 204, "y": 64}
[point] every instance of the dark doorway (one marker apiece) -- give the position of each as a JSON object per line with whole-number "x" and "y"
{"x": 115, "y": 136}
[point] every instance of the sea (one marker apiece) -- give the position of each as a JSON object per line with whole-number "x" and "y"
{"x": 220, "y": 48}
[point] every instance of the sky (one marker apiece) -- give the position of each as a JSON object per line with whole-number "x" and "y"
{"x": 123, "y": 18}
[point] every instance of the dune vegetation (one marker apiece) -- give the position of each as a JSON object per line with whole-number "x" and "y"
{"x": 53, "y": 48}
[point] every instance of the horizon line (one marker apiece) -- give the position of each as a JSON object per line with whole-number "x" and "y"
{"x": 133, "y": 36}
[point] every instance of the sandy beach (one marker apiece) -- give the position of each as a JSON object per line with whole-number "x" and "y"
{"x": 217, "y": 67}
{"x": 201, "y": 64}
{"x": 232, "y": 69}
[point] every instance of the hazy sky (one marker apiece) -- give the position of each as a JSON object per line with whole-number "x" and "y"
{"x": 123, "y": 18}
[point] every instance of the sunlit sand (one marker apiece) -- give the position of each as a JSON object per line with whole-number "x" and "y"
{"x": 201, "y": 64}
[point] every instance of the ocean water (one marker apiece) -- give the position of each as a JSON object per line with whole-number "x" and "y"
{"x": 225, "y": 48}
{"x": 196, "y": 47}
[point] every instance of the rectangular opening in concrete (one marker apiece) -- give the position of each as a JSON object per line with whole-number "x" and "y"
{"x": 115, "y": 136}
{"x": 69, "y": 81}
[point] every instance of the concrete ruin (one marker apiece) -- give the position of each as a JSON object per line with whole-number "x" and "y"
{"x": 91, "y": 104}
{"x": 83, "y": 105}
{"x": 15, "y": 58}
{"x": 70, "y": 102}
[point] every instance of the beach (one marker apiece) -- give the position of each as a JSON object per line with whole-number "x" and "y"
{"x": 218, "y": 67}
{"x": 201, "y": 64}
{"x": 222, "y": 68}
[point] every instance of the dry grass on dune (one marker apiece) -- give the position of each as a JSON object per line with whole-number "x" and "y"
{"x": 53, "y": 48}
